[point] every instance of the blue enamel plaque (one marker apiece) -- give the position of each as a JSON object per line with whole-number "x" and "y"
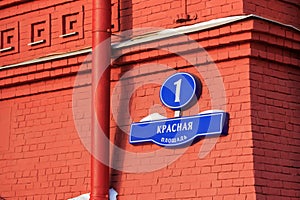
{"x": 178, "y": 131}
{"x": 178, "y": 90}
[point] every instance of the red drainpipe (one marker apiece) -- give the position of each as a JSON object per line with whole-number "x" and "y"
{"x": 101, "y": 24}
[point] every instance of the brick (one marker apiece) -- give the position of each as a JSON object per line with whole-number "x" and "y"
{"x": 228, "y": 175}
{"x": 185, "y": 194}
{"x": 261, "y": 121}
{"x": 206, "y": 192}
{"x": 228, "y": 190}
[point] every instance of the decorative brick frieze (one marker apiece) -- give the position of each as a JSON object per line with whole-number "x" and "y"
{"x": 33, "y": 34}
{"x": 39, "y": 32}
{"x": 71, "y": 25}
{"x": 9, "y": 38}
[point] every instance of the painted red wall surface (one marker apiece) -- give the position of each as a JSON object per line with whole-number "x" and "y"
{"x": 42, "y": 155}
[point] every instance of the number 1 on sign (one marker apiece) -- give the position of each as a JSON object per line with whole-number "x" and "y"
{"x": 177, "y": 92}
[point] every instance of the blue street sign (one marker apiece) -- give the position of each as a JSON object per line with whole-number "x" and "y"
{"x": 179, "y": 131}
{"x": 179, "y": 90}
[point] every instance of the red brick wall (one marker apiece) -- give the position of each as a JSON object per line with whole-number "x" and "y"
{"x": 275, "y": 131}
{"x": 8, "y": 3}
{"x": 284, "y": 11}
{"x": 275, "y": 76}
{"x": 148, "y": 13}
{"x": 41, "y": 155}
{"x": 44, "y": 158}
{"x": 133, "y": 14}
{"x": 227, "y": 171}
{"x": 42, "y": 131}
